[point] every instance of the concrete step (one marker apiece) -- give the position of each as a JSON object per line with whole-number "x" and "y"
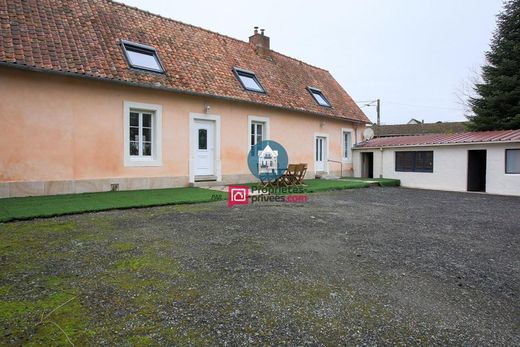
{"x": 325, "y": 176}
{"x": 206, "y": 183}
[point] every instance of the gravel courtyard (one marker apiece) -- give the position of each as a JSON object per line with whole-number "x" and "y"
{"x": 377, "y": 266}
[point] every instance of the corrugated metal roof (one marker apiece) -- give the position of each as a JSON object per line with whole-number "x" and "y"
{"x": 419, "y": 129}
{"x": 443, "y": 139}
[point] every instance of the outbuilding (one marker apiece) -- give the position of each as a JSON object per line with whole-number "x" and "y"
{"x": 472, "y": 161}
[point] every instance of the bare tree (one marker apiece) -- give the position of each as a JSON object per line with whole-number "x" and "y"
{"x": 466, "y": 90}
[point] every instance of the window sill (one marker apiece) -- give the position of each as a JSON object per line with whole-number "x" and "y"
{"x": 137, "y": 162}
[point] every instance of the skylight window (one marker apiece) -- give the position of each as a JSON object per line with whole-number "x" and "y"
{"x": 319, "y": 97}
{"x": 248, "y": 80}
{"x": 142, "y": 57}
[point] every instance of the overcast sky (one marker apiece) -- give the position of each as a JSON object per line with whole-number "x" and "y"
{"x": 412, "y": 54}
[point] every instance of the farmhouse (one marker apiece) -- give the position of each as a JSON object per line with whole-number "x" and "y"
{"x": 476, "y": 161}
{"x": 97, "y": 95}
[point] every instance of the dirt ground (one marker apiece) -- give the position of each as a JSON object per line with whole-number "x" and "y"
{"x": 374, "y": 266}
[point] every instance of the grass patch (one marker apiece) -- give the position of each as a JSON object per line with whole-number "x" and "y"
{"x": 57, "y": 205}
{"x": 123, "y": 246}
{"x": 60, "y": 311}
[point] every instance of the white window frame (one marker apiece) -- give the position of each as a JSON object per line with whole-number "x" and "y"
{"x": 156, "y": 158}
{"x": 351, "y": 132}
{"x": 266, "y": 130}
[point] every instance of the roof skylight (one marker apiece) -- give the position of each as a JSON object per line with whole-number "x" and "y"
{"x": 142, "y": 57}
{"x": 248, "y": 80}
{"x": 319, "y": 97}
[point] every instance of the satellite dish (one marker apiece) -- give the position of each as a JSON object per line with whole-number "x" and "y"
{"x": 368, "y": 134}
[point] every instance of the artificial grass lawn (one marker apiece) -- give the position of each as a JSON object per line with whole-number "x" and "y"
{"x": 320, "y": 185}
{"x": 55, "y": 205}
{"x": 383, "y": 182}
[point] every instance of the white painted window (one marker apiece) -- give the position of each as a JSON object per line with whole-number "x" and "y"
{"x": 143, "y": 123}
{"x": 258, "y": 130}
{"x": 346, "y": 144}
{"x": 141, "y": 134}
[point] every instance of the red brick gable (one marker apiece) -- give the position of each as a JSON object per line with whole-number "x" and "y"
{"x": 82, "y": 37}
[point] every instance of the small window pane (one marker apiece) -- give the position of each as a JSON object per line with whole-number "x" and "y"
{"x": 424, "y": 161}
{"x": 147, "y": 134}
{"x": 513, "y": 161}
{"x": 147, "y": 120}
{"x": 134, "y": 134}
{"x": 259, "y": 129}
{"x": 257, "y": 133}
{"x": 317, "y": 141}
{"x": 141, "y": 58}
{"x": 404, "y": 161}
{"x": 134, "y": 119}
{"x": 250, "y": 83}
{"x": 134, "y": 148}
{"x": 203, "y": 139}
{"x": 147, "y": 148}
{"x": 319, "y": 97}
{"x": 346, "y": 144}
{"x": 321, "y": 100}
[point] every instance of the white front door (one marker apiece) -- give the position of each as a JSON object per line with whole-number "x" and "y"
{"x": 204, "y": 147}
{"x": 320, "y": 154}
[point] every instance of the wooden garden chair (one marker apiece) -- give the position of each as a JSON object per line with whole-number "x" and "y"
{"x": 289, "y": 177}
{"x": 303, "y": 171}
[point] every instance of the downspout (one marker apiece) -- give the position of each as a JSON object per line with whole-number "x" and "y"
{"x": 381, "y": 163}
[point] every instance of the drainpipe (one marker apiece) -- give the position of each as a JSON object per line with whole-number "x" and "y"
{"x": 381, "y": 167}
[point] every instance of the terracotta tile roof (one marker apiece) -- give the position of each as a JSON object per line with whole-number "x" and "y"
{"x": 82, "y": 37}
{"x": 418, "y": 129}
{"x": 443, "y": 139}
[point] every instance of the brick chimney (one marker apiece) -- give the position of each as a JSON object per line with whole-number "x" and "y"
{"x": 260, "y": 41}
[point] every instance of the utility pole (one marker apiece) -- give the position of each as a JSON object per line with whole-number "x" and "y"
{"x": 378, "y": 108}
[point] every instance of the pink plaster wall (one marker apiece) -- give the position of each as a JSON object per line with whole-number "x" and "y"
{"x": 61, "y": 128}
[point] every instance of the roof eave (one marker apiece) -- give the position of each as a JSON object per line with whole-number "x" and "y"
{"x": 439, "y": 144}
{"x": 172, "y": 90}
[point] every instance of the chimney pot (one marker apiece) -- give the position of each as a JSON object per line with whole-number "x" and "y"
{"x": 261, "y": 42}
